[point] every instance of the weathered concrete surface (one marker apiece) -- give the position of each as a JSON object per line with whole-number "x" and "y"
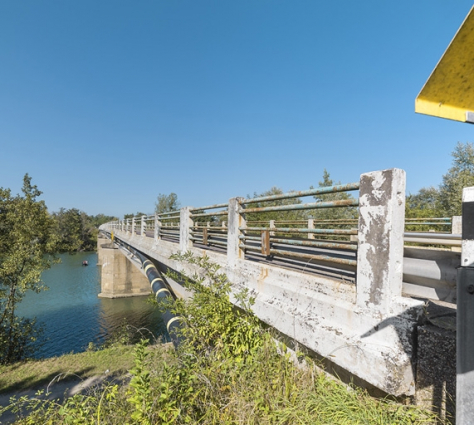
{"x": 318, "y": 312}
{"x": 119, "y": 277}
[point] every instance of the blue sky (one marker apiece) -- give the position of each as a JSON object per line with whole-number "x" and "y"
{"x": 106, "y": 104}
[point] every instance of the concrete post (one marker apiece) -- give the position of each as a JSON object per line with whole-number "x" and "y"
{"x": 186, "y": 222}
{"x": 156, "y": 235}
{"x": 133, "y": 226}
{"x": 310, "y": 226}
{"x": 465, "y": 315}
{"x": 272, "y": 226}
{"x": 381, "y": 228}
{"x": 142, "y": 226}
{"x": 123, "y": 225}
{"x": 234, "y": 220}
{"x": 456, "y": 225}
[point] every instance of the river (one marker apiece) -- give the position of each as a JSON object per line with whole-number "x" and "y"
{"x": 72, "y": 315}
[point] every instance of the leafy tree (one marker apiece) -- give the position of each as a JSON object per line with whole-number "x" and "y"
{"x": 69, "y": 229}
{"x": 459, "y": 176}
{"x": 167, "y": 203}
{"x": 99, "y": 219}
{"x": 425, "y": 203}
{"x": 274, "y": 215}
{"x": 138, "y": 214}
{"x": 27, "y": 240}
{"x": 337, "y": 213}
{"x": 76, "y": 230}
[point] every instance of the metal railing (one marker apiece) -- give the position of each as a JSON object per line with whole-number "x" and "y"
{"x": 209, "y": 230}
{"x": 322, "y": 246}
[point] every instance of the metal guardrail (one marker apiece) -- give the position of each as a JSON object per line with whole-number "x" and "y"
{"x": 294, "y": 245}
{"x": 319, "y": 246}
{"x": 209, "y": 229}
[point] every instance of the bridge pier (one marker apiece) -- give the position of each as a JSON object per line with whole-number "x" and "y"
{"x": 119, "y": 277}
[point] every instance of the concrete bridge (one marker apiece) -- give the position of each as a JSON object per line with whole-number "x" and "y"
{"x": 350, "y": 291}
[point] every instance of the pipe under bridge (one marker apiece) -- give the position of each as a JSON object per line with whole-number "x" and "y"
{"x": 349, "y": 290}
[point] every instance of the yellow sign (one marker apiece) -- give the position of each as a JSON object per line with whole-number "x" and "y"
{"x": 449, "y": 91}
{"x": 112, "y": 236}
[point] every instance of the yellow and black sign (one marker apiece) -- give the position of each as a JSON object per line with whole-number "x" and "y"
{"x": 449, "y": 91}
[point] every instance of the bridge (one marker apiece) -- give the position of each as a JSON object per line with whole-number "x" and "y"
{"x": 355, "y": 292}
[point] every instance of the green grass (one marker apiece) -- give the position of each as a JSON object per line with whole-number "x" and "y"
{"x": 37, "y": 373}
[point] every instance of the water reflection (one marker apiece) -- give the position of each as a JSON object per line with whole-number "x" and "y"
{"x": 73, "y": 315}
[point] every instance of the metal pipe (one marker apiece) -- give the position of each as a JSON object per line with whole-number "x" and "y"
{"x": 160, "y": 288}
{"x": 301, "y": 193}
{"x": 313, "y": 243}
{"x": 211, "y": 207}
{"x": 313, "y": 205}
{"x": 210, "y": 214}
{"x": 324, "y": 258}
{"x": 290, "y": 230}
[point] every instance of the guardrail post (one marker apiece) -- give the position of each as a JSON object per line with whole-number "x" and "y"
{"x": 272, "y": 226}
{"x": 234, "y": 220}
{"x": 156, "y": 235}
{"x": 133, "y": 226}
{"x": 122, "y": 225}
{"x": 465, "y": 315}
{"x": 142, "y": 226}
{"x": 310, "y": 226}
{"x": 456, "y": 225}
{"x": 381, "y": 228}
{"x": 186, "y": 222}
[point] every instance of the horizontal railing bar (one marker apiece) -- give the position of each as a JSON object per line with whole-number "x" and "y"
{"x": 209, "y": 242}
{"x": 318, "y": 244}
{"x": 324, "y": 258}
{"x": 301, "y": 193}
{"x": 290, "y": 230}
{"x": 313, "y": 205}
{"x": 209, "y": 214}
{"x": 433, "y": 235}
{"x": 424, "y": 223}
{"x": 428, "y": 218}
{"x": 339, "y": 220}
{"x": 211, "y": 207}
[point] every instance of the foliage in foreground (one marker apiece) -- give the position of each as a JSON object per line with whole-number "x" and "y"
{"x": 26, "y": 243}
{"x": 228, "y": 370}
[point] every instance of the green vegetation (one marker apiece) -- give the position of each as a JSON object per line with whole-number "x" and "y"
{"x": 29, "y": 238}
{"x": 117, "y": 359}
{"x": 27, "y": 242}
{"x": 77, "y": 231}
{"x": 446, "y": 200}
{"x": 227, "y": 370}
{"x": 167, "y": 203}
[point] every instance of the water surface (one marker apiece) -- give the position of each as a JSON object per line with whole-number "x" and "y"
{"x": 72, "y": 314}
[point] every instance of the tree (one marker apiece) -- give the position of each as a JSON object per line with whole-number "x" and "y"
{"x": 27, "y": 242}
{"x": 424, "y": 204}
{"x": 274, "y": 215}
{"x": 337, "y": 213}
{"x": 167, "y": 203}
{"x": 459, "y": 176}
{"x": 75, "y": 231}
{"x": 138, "y": 215}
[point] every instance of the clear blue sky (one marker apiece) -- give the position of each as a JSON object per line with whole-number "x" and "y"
{"x": 106, "y": 104}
